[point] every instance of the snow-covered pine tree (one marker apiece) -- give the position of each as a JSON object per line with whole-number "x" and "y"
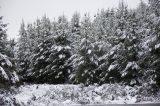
{"x": 41, "y": 52}
{"x": 8, "y": 74}
{"x": 115, "y": 55}
{"x": 131, "y": 73}
{"x": 104, "y": 31}
{"x": 127, "y": 55}
{"x": 32, "y": 37}
{"x": 75, "y": 36}
{"x": 122, "y": 57}
{"x": 155, "y": 41}
{"x": 23, "y": 52}
{"x": 39, "y": 61}
{"x": 144, "y": 32}
{"x": 49, "y": 62}
{"x": 59, "y": 67}
{"x": 83, "y": 61}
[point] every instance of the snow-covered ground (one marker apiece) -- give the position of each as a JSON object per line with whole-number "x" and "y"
{"x": 49, "y": 95}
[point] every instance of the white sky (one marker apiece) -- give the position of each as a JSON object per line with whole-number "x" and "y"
{"x": 28, "y": 10}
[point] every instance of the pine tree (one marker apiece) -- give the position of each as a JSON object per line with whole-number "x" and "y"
{"x": 132, "y": 72}
{"x": 154, "y": 44}
{"x": 40, "y": 52}
{"x": 60, "y": 53}
{"x": 143, "y": 17}
{"x": 75, "y": 32}
{"x": 49, "y": 62}
{"x": 114, "y": 57}
{"x": 37, "y": 71}
{"x": 8, "y": 74}
{"x": 83, "y": 62}
{"x": 103, "y": 26}
{"x": 23, "y": 52}
{"x": 32, "y": 37}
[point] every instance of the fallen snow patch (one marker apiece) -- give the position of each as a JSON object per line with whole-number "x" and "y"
{"x": 49, "y": 95}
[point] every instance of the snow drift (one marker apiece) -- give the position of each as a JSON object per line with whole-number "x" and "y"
{"x": 49, "y": 95}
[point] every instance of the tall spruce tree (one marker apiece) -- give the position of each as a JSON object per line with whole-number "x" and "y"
{"x": 83, "y": 62}
{"x": 8, "y": 74}
{"x": 75, "y": 36}
{"x": 154, "y": 45}
{"x": 49, "y": 62}
{"x": 23, "y": 52}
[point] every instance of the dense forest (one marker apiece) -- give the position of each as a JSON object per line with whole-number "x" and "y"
{"x": 118, "y": 45}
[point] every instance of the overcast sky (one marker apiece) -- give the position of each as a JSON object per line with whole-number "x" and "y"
{"x": 28, "y": 10}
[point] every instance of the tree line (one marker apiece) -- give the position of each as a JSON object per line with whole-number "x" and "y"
{"x": 119, "y": 45}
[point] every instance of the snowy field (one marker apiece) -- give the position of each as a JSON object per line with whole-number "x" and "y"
{"x": 51, "y": 95}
